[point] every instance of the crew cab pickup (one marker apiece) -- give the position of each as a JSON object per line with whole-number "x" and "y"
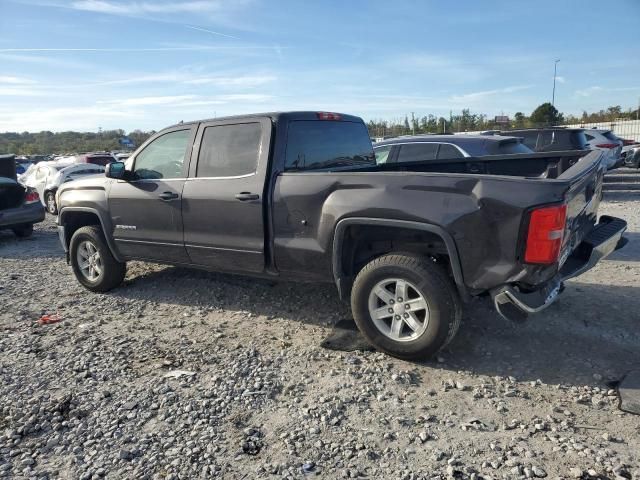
{"x": 299, "y": 196}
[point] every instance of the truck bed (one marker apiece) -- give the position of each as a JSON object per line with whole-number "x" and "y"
{"x": 534, "y": 165}
{"x": 482, "y": 203}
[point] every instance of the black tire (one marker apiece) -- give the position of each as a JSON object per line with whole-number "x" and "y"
{"x": 23, "y": 231}
{"x": 50, "y": 203}
{"x": 113, "y": 272}
{"x": 431, "y": 281}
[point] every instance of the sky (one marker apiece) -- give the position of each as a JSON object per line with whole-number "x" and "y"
{"x": 146, "y": 64}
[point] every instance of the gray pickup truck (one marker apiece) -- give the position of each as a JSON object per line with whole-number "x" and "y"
{"x": 299, "y": 196}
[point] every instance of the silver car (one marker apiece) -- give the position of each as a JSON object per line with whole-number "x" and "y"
{"x": 607, "y": 142}
{"x": 46, "y": 178}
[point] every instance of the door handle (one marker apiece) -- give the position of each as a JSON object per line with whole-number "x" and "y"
{"x": 166, "y": 196}
{"x": 246, "y": 196}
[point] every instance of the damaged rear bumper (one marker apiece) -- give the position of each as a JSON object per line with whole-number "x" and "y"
{"x": 602, "y": 240}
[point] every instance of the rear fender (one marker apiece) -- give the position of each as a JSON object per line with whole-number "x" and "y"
{"x": 343, "y": 281}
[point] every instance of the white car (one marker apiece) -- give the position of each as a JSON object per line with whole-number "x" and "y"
{"x": 46, "y": 177}
{"x": 606, "y": 141}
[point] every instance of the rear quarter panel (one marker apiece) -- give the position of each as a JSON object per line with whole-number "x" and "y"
{"x": 482, "y": 213}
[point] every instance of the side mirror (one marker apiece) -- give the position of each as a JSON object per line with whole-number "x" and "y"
{"x": 115, "y": 170}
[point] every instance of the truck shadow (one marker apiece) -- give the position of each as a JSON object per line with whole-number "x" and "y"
{"x": 592, "y": 330}
{"x": 630, "y": 252}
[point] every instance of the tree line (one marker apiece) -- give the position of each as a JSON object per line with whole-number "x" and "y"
{"x": 28, "y": 143}
{"x": 543, "y": 115}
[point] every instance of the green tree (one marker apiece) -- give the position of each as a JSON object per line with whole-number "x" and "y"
{"x": 519, "y": 119}
{"x": 546, "y": 114}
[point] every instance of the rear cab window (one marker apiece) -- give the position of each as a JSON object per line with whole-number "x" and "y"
{"x": 327, "y": 145}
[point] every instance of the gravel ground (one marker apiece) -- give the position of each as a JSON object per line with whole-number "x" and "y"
{"x": 186, "y": 374}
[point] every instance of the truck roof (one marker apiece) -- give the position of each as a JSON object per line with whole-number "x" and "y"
{"x": 276, "y": 116}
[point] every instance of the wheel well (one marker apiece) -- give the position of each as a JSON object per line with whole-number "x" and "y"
{"x": 363, "y": 243}
{"x": 75, "y": 220}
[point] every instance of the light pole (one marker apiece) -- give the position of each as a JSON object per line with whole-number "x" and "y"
{"x": 553, "y": 95}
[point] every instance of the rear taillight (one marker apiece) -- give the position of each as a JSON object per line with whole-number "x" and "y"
{"x": 546, "y": 231}
{"x": 607, "y": 145}
{"x": 328, "y": 116}
{"x": 31, "y": 197}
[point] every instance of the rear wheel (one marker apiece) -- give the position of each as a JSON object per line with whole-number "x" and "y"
{"x": 23, "y": 231}
{"x": 406, "y": 306}
{"x": 93, "y": 264}
{"x": 50, "y": 201}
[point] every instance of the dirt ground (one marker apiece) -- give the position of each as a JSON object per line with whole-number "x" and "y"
{"x": 188, "y": 374}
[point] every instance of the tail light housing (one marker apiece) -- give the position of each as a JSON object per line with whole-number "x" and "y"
{"x": 607, "y": 145}
{"x": 545, "y": 235}
{"x": 31, "y": 196}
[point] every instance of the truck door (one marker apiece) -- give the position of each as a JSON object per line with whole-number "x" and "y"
{"x": 146, "y": 209}
{"x": 223, "y": 203}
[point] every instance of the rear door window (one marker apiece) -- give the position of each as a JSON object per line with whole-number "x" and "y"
{"x": 327, "y": 144}
{"x": 507, "y": 148}
{"x": 546, "y": 139}
{"x": 229, "y": 150}
{"x": 418, "y": 152}
{"x": 448, "y": 152}
{"x": 529, "y": 139}
{"x": 579, "y": 140}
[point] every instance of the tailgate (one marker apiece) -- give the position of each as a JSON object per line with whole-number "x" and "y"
{"x": 582, "y": 200}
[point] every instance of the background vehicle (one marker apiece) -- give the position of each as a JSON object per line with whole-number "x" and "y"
{"x": 299, "y": 196}
{"x": 631, "y": 156}
{"x": 608, "y": 143}
{"x": 20, "y": 206}
{"x": 551, "y": 139}
{"x": 47, "y": 177}
{"x": 434, "y": 147}
{"x": 97, "y": 158}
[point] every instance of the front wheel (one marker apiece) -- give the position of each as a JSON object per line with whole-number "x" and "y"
{"x": 93, "y": 264}
{"x": 406, "y": 306}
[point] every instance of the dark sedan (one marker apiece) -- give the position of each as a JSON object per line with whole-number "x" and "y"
{"x": 445, "y": 147}
{"x": 20, "y": 206}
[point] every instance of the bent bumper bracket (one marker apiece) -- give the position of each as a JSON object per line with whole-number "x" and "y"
{"x": 601, "y": 241}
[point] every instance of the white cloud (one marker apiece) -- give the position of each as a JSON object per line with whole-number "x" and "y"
{"x": 242, "y": 81}
{"x": 139, "y": 8}
{"x": 15, "y": 80}
{"x": 58, "y": 119}
{"x": 21, "y": 92}
{"x": 200, "y": 29}
{"x": 560, "y": 79}
{"x": 587, "y": 92}
{"x": 142, "y": 101}
{"x": 474, "y": 96}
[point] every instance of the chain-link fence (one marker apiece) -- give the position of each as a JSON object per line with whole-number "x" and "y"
{"x": 627, "y": 129}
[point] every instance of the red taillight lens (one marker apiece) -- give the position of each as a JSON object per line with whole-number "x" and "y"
{"x": 607, "y": 145}
{"x": 31, "y": 197}
{"x": 546, "y": 230}
{"x": 328, "y": 116}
